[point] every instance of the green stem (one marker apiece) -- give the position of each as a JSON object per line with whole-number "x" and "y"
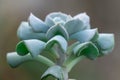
{"x": 65, "y": 75}
{"x": 62, "y": 56}
{"x": 44, "y": 60}
{"x": 72, "y": 61}
{"x": 60, "y": 61}
{"x": 15, "y": 60}
{"x": 55, "y": 53}
{"x": 70, "y": 48}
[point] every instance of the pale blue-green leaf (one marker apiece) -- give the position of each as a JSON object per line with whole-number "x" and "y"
{"x": 91, "y": 52}
{"x": 85, "y": 18}
{"x": 49, "y": 21}
{"x": 14, "y": 60}
{"x": 61, "y": 15}
{"x": 106, "y": 43}
{"x": 74, "y": 25}
{"x": 105, "y": 52}
{"x": 32, "y": 46}
{"x": 69, "y": 17}
{"x": 37, "y": 24}
{"x": 59, "y": 40}
{"x": 58, "y": 20}
{"x": 79, "y": 48}
{"x": 51, "y": 18}
{"x": 57, "y": 30}
{"x": 87, "y": 49}
{"x": 86, "y": 35}
{"x": 25, "y": 32}
{"x": 55, "y": 71}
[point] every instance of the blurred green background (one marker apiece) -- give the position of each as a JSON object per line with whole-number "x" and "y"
{"x": 104, "y": 14}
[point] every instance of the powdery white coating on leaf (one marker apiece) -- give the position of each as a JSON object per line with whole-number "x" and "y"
{"x": 37, "y": 24}
{"x": 85, "y": 35}
{"x": 106, "y": 43}
{"x": 59, "y": 40}
{"x": 87, "y": 49}
{"x": 57, "y": 30}
{"x": 35, "y": 47}
{"x": 32, "y": 46}
{"x": 55, "y": 71}
{"x": 73, "y": 26}
{"x": 15, "y": 60}
{"x": 25, "y": 32}
{"x": 85, "y": 18}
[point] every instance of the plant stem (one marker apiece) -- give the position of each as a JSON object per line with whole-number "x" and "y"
{"x": 62, "y": 56}
{"x": 44, "y": 60}
{"x": 65, "y": 74}
{"x": 72, "y": 61}
{"x": 60, "y": 61}
{"x": 14, "y": 59}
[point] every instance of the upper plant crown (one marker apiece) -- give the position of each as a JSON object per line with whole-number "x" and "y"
{"x": 39, "y": 36}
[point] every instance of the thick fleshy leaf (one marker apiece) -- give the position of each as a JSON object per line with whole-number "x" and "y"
{"x": 88, "y": 49}
{"x": 85, "y": 18}
{"x": 106, "y": 43}
{"x": 86, "y": 35}
{"x": 79, "y": 48}
{"x": 55, "y": 71}
{"x": 21, "y": 48}
{"x": 59, "y": 40}
{"x": 74, "y": 25}
{"x": 37, "y": 24}
{"x": 15, "y": 60}
{"x": 63, "y": 16}
{"x": 91, "y": 52}
{"x": 25, "y": 32}
{"x": 33, "y": 46}
{"x": 49, "y": 21}
{"x": 57, "y": 30}
{"x": 51, "y": 18}
{"x": 69, "y": 17}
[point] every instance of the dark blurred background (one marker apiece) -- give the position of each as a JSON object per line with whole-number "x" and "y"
{"x": 104, "y": 14}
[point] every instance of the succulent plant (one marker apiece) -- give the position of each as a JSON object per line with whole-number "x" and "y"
{"x": 54, "y": 36}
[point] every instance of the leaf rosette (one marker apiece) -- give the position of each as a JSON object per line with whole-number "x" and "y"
{"x": 53, "y": 35}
